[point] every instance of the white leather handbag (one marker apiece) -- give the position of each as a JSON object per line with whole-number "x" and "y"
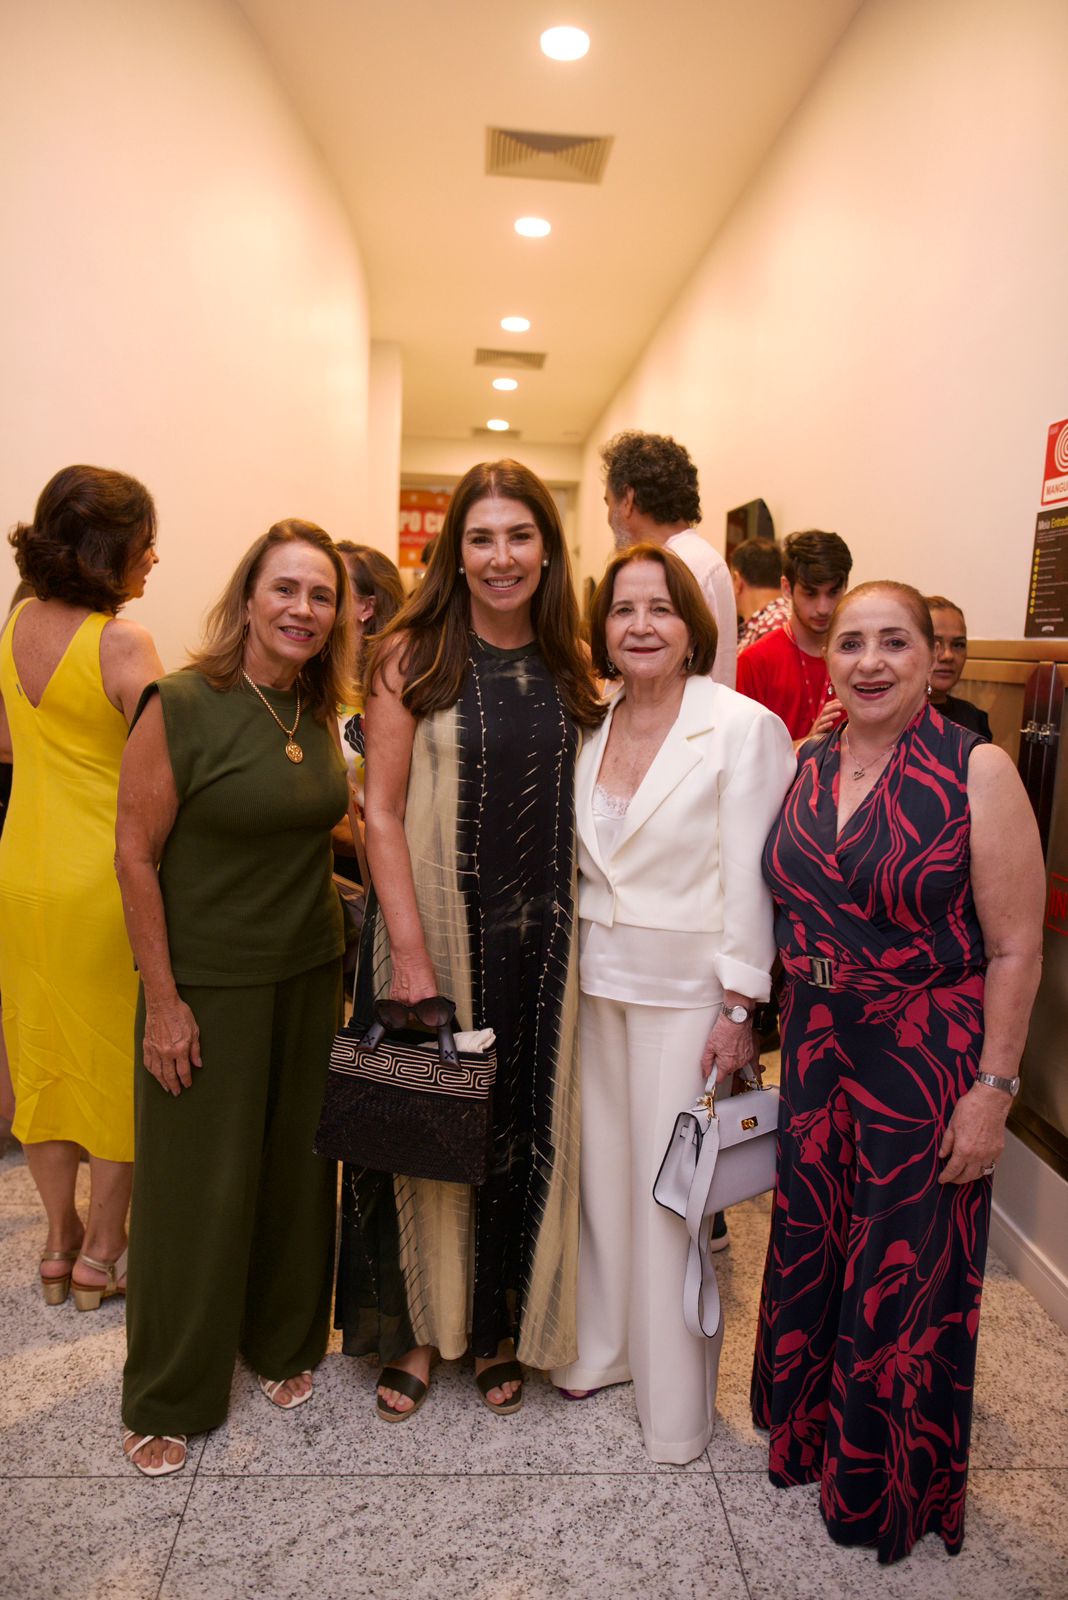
{"x": 721, "y": 1152}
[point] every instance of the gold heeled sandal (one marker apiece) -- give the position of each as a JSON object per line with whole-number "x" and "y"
{"x": 87, "y": 1296}
{"x": 55, "y": 1290}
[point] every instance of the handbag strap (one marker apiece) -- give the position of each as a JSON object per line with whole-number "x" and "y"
{"x": 700, "y": 1288}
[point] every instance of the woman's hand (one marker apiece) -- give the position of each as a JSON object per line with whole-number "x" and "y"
{"x": 413, "y": 978}
{"x": 172, "y": 1044}
{"x": 975, "y": 1137}
{"x": 729, "y": 1046}
{"x": 829, "y": 717}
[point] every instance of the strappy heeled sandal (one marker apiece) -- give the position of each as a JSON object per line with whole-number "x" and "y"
{"x": 87, "y": 1296}
{"x": 271, "y": 1386}
{"x": 165, "y": 1467}
{"x": 55, "y": 1290}
{"x": 492, "y": 1378}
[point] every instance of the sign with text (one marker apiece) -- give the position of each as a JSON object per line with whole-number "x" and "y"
{"x": 1047, "y": 596}
{"x": 422, "y": 516}
{"x": 1055, "y": 476}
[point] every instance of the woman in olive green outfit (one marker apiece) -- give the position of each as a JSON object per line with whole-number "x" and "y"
{"x": 231, "y": 783}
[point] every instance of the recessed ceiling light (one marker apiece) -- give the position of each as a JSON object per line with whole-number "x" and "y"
{"x": 533, "y": 227}
{"x": 565, "y": 44}
{"x": 505, "y": 383}
{"x": 515, "y": 324}
{"x": 497, "y": 425}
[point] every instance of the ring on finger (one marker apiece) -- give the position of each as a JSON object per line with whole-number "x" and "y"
{"x": 988, "y": 1170}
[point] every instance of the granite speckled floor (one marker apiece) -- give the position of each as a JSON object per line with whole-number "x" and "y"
{"x": 558, "y": 1501}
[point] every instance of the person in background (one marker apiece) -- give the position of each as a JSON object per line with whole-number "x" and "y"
{"x": 652, "y": 497}
{"x": 231, "y": 783}
{"x": 951, "y": 653}
{"x": 476, "y": 694}
{"x": 756, "y": 572}
{"x": 377, "y": 594}
{"x": 909, "y": 887}
{"x": 786, "y": 670}
{"x": 71, "y": 674}
{"x": 674, "y": 798}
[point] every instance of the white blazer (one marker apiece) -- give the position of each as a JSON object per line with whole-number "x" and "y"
{"x": 688, "y": 854}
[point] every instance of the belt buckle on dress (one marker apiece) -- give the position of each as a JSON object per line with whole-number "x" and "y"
{"x": 821, "y": 972}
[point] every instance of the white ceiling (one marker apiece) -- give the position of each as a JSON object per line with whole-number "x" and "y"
{"x": 398, "y": 97}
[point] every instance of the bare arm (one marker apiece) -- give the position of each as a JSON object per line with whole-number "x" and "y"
{"x": 389, "y": 730}
{"x": 148, "y": 806}
{"x": 128, "y": 663}
{"x": 1008, "y": 881}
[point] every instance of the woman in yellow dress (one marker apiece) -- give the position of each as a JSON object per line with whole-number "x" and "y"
{"x": 71, "y": 675}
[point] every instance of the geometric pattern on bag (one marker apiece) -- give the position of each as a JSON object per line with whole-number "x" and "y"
{"x": 414, "y": 1068}
{"x": 400, "y": 1108}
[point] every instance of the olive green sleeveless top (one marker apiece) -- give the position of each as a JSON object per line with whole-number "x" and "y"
{"x": 246, "y": 872}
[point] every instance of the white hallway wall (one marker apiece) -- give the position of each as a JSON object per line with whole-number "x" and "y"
{"x": 181, "y": 294}
{"x": 876, "y": 343}
{"x": 876, "y": 340}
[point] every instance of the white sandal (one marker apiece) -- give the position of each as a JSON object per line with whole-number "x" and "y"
{"x": 164, "y": 1467}
{"x": 271, "y": 1386}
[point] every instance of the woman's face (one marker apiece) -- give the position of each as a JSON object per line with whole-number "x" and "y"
{"x": 879, "y": 662}
{"x": 138, "y": 570}
{"x": 501, "y": 552}
{"x": 290, "y": 611}
{"x": 951, "y": 650}
{"x": 646, "y": 638}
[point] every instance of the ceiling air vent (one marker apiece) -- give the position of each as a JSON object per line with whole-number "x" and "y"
{"x": 565, "y": 157}
{"x": 530, "y": 360}
{"x": 496, "y": 433}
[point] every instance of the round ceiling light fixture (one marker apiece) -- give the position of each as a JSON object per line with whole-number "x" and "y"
{"x": 565, "y": 44}
{"x": 506, "y": 384}
{"x": 515, "y": 324}
{"x": 497, "y": 425}
{"x": 533, "y": 227}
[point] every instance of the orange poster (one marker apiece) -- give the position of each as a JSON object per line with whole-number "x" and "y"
{"x": 422, "y": 515}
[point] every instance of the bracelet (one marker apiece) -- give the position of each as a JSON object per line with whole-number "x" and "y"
{"x": 1006, "y": 1085}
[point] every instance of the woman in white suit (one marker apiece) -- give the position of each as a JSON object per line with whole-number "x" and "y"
{"x": 675, "y": 795}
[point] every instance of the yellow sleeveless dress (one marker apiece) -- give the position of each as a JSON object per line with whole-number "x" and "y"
{"x": 66, "y": 972}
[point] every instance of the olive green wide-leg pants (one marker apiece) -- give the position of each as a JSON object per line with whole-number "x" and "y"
{"x": 232, "y": 1222}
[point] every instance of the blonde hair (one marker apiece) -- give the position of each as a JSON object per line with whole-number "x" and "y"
{"x": 325, "y": 679}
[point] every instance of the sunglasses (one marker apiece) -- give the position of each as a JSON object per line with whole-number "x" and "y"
{"x": 437, "y": 1012}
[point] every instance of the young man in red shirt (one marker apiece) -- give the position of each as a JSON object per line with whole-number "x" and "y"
{"x": 786, "y": 670}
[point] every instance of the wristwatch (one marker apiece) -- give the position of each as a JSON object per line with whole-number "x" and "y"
{"x": 1006, "y": 1085}
{"x": 740, "y": 1014}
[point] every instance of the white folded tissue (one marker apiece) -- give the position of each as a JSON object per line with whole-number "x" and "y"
{"x": 477, "y": 1041}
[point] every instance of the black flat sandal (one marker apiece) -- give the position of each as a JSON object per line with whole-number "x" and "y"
{"x": 492, "y": 1378}
{"x": 405, "y": 1383}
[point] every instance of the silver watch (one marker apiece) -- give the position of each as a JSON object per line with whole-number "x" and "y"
{"x": 1006, "y": 1085}
{"x": 737, "y": 1014}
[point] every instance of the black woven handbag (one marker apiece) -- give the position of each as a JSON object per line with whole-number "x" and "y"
{"x": 405, "y": 1104}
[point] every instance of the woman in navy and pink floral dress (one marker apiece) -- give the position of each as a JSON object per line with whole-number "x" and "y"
{"x": 908, "y": 881}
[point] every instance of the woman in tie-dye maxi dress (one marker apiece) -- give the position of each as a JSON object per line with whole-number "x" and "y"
{"x": 870, "y": 1306}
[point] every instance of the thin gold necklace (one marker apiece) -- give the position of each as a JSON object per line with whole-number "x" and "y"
{"x": 859, "y": 771}
{"x": 293, "y": 750}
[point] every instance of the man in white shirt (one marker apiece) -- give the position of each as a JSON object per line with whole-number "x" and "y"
{"x": 651, "y": 495}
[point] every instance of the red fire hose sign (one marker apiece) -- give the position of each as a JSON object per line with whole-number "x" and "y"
{"x": 1055, "y": 477}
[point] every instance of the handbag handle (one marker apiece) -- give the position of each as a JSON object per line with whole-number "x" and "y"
{"x": 447, "y": 1052}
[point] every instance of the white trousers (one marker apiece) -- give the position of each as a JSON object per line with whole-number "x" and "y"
{"x": 640, "y": 1068}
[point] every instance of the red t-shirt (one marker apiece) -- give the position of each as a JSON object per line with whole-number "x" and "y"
{"x": 778, "y": 673}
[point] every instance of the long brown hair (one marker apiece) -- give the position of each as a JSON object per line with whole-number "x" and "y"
{"x": 433, "y": 626}
{"x": 375, "y": 577}
{"x": 324, "y": 680}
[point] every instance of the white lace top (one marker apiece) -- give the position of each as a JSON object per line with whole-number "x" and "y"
{"x": 643, "y": 966}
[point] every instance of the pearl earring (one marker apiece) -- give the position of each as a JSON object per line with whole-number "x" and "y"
{"x": 545, "y": 563}
{"x": 460, "y": 570}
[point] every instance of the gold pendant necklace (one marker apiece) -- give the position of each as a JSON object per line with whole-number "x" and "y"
{"x": 859, "y": 771}
{"x": 293, "y": 750}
